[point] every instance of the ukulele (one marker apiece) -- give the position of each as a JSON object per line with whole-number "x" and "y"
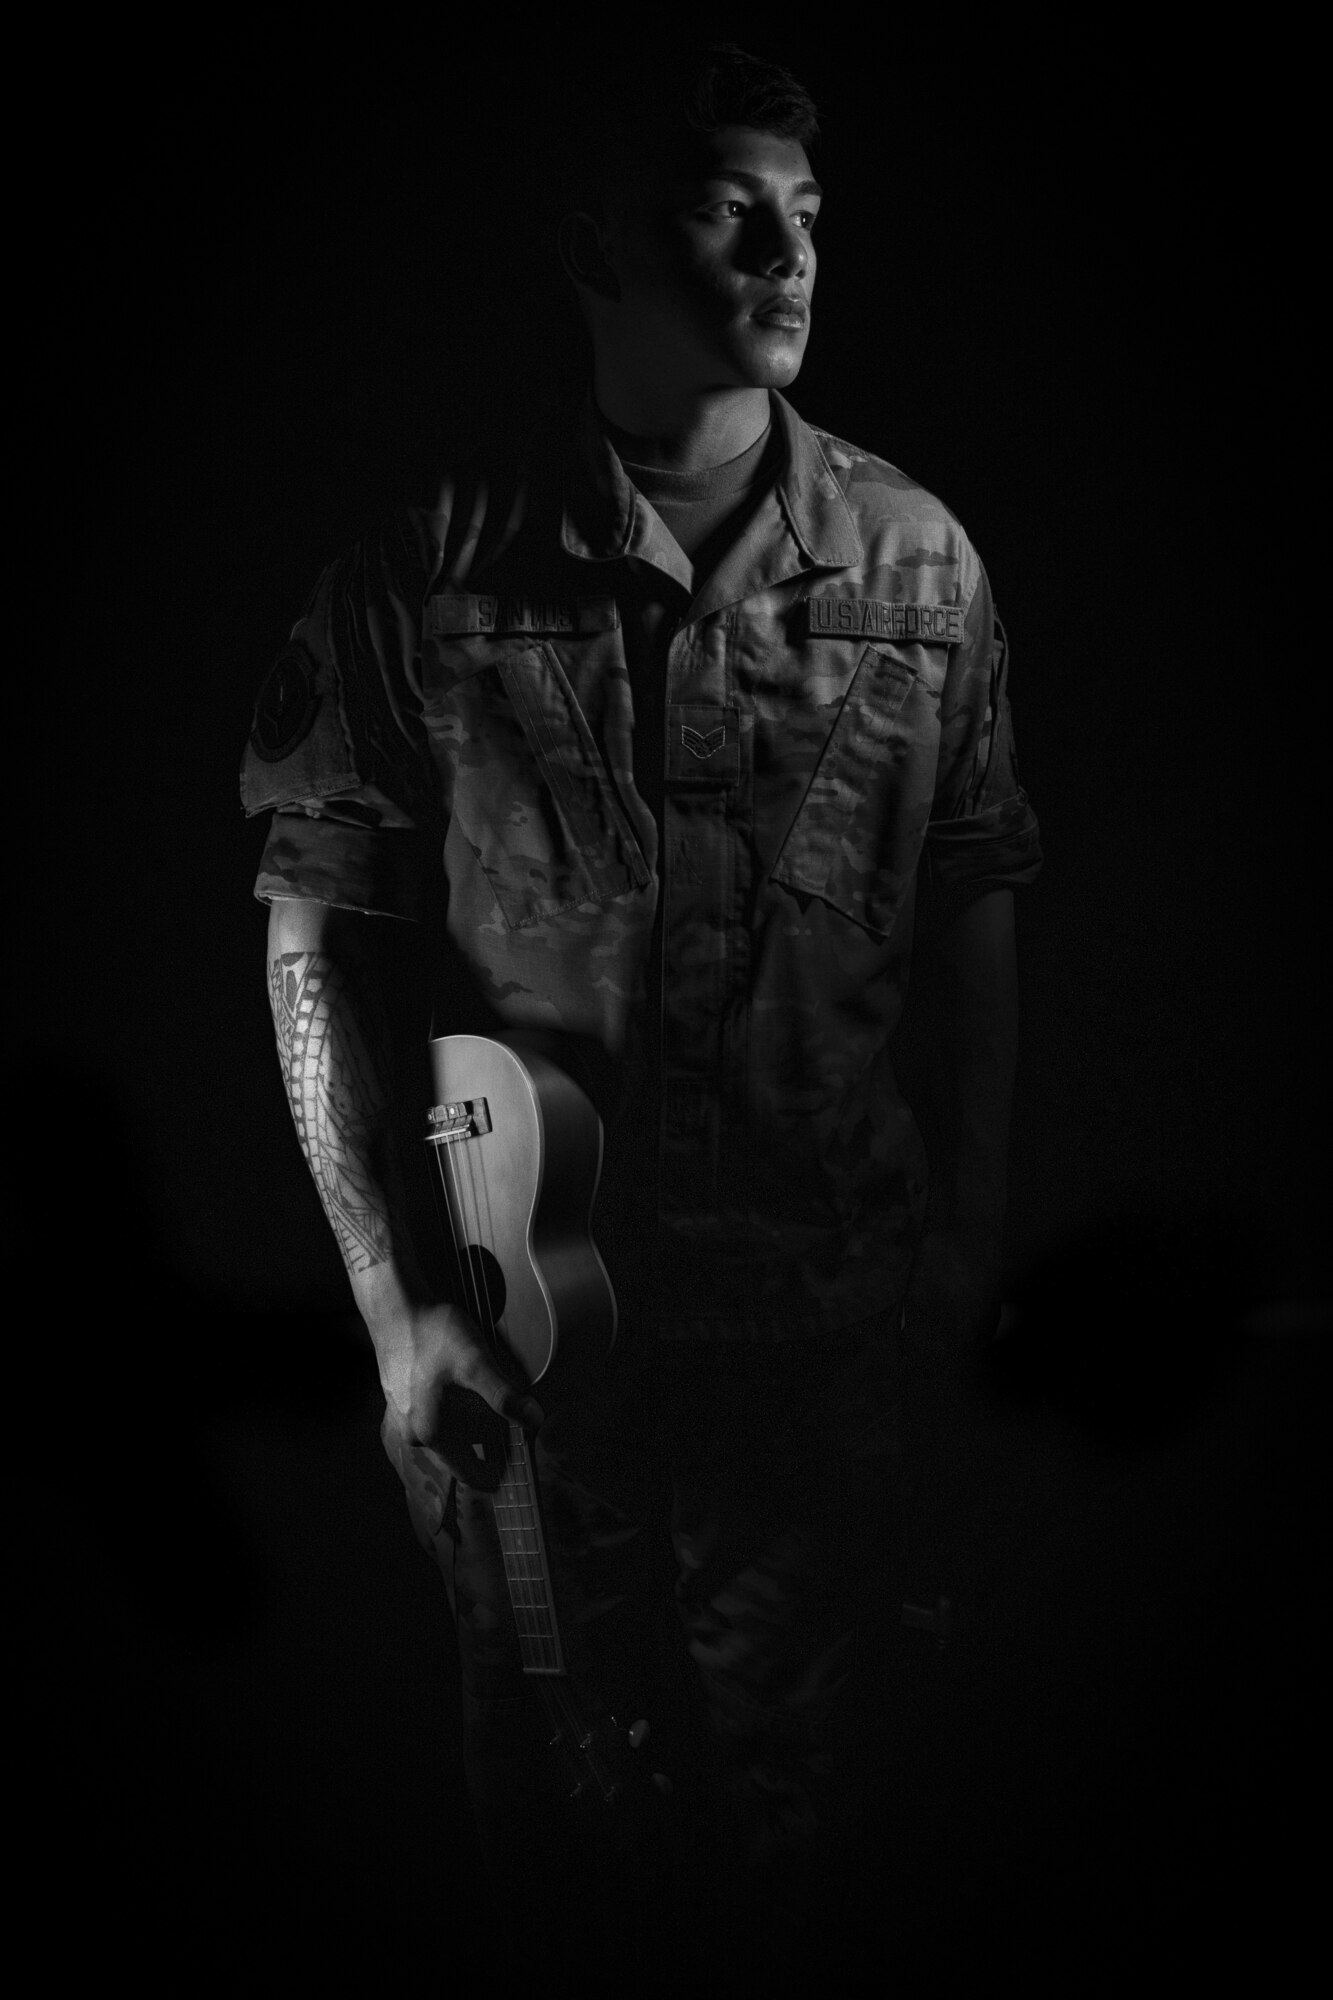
{"x": 517, "y": 1148}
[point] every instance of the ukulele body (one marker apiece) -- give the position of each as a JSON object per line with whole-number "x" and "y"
{"x": 520, "y": 1151}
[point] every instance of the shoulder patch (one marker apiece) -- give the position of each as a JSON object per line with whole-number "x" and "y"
{"x": 287, "y": 705}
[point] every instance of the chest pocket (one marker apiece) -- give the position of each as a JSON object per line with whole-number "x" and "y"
{"x": 531, "y": 793}
{"x": 857, "y": 835}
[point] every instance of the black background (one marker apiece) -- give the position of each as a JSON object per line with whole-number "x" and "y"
{"x": 1063, "y": 287}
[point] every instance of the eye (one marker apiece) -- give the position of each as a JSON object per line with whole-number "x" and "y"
{"x": 807, "y": 217}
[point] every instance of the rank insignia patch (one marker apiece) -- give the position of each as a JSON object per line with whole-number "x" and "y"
{"x": 832, "y": 616}
{"x": 700, "y": 745}
{"x": 703, "y": 744}
{"x": 286, "y": 706}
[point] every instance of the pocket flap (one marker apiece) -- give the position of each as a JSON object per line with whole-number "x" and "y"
{"x": 856, "y": 838}
{"x": 534, "y": 797}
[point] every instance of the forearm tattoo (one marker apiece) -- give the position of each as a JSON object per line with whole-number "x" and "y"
{"x": 326, "y": 1024}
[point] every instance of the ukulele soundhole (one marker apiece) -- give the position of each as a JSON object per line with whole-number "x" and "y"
{"x": 486, "y": 1285}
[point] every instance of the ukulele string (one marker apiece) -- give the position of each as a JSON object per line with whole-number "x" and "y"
{"x": 466, "y": 1197}
{"x": 475, "y": 1291}
{"x": 450, "y": 1201}
{"x": 513, "y": 1493}
{"x": 471, "y": 1189}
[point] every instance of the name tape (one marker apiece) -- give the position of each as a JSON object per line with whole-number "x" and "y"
{"x": 832, "y": 616}
{"x": 457, "y": 612}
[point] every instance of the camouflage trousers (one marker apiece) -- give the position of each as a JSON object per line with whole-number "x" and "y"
{"x": 720, "y": 1521}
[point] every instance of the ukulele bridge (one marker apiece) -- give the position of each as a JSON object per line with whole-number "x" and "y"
{"x": 469, "y": 1118}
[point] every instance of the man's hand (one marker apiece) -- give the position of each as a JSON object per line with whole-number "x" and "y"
{"x": 446, "y": 1407}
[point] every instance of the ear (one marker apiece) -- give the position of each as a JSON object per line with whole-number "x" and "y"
{"x": 581, "y": 242}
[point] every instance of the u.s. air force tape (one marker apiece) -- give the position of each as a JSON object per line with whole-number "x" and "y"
{"x": 833, "y": 616}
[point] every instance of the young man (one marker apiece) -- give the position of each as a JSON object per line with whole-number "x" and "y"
{"x": 657, "y": 732}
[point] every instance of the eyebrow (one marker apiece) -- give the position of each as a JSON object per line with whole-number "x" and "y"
{"x": 754, "y": 183}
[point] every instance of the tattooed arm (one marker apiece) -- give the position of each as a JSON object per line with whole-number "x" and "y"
{"x": 333, "y": 1044}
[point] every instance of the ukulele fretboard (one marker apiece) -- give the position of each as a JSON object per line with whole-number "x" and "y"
{"x": 518, "y": 1522}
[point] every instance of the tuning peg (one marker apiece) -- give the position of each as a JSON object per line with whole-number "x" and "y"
{"x": 639, "y": 1734}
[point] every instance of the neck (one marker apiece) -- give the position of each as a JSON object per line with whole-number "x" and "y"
{"x": 683, "y": 433}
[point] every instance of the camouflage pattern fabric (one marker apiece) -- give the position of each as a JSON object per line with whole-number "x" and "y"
{"x": 459, "y": 708}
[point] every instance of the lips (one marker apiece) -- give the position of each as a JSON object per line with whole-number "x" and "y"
{"x": 784, "y": 310}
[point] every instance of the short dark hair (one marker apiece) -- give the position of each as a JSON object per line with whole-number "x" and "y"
{"x": 637, "y": 103}
{"x": 724, "y": 86}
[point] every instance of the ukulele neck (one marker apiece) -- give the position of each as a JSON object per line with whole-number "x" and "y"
{"x": 518, "y": 1523}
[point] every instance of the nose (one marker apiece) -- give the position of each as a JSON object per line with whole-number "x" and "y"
{"x": 788, "y": 255}
{"x": 782, "y": 251}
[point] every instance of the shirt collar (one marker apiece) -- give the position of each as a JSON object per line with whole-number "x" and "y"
{"x": 811, "y": 498}
{"x": 606, "y": 517}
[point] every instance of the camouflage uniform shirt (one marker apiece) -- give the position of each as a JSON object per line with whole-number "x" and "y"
{"x": 685, "y": 827}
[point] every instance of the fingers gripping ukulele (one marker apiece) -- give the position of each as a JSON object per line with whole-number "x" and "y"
{"x": 518, "y": 1150}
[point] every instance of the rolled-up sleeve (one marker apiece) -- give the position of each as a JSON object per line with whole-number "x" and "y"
{"x": 336, "y": 749}
{"x": 982, "y": 830}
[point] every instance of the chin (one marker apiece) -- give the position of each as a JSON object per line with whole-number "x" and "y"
{"x": 770, "y": 364}
{"x": 776, "y": 373}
